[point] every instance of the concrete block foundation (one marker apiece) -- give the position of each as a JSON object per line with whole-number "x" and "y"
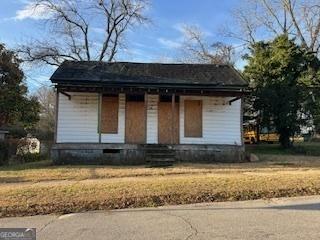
{"x": 134, "y": 154}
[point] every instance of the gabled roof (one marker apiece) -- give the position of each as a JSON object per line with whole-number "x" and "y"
{"x": 144, "y": 74}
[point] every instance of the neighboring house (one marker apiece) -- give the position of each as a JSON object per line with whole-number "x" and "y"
{"x": 3, "y": 134}
{"x": 129, "y": 113}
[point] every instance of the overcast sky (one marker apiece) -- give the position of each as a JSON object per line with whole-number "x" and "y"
{"x": 156, "y": 42}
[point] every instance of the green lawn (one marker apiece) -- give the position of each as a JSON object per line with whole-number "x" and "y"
{"x": 304, "y": 148}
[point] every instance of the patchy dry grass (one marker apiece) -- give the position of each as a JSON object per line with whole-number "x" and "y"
{"x": 41, "y": 188}
{"x": 45, "y": 171}
{"x": 86, "y": 195}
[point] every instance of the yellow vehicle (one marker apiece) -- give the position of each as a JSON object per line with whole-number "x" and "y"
{"x": 268, "y": 136}
{"x": 251, "y": 136}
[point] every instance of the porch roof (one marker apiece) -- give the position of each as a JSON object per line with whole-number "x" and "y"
{"x": 148, "y": 75}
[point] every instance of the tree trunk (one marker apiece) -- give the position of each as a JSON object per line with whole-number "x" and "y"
{"x": 284, "y": 139}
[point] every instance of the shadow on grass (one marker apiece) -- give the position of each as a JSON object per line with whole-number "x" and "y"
{"x": 30, "y": 165}
{"x": 48, "y": 164}
{"x": 4, "y": 180}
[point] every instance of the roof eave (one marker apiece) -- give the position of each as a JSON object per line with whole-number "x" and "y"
{"x": 139, "y": 84}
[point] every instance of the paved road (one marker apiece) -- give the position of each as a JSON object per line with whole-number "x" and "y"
{"x": 292, "y": 218}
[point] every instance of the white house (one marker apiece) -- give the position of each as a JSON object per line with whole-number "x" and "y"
{"x": 130, "y": 113}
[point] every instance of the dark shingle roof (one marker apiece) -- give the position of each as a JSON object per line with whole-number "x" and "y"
{"x": 84, "y": 72}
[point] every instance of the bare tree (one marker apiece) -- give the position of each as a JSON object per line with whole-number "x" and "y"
{"x": 71, "y": 26}
{"x": 195, "y": 48}
{"x": 259, "y": 19}
{"x": 255, "y": 20}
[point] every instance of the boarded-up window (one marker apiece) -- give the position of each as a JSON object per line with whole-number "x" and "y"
{"x": 193, "y": 118}
{"x": 109, "y": 114}
{"x": 165, "y": 121}
{"x": 135, "y": 131}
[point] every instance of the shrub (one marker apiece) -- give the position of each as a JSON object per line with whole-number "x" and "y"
{"x": 30, "y": 157}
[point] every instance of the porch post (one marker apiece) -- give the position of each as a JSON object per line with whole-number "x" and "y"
{"x": 146, "y": 117}
{"x": 56, "y": 116}
{"x": 241, "y": 120}
{"x": 99, "y": 115}
{"x": 172, "y": 118}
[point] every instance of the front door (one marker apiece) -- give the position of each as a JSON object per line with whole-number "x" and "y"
{"x": 135, "y": 130}
{"x": 166, "y": 123}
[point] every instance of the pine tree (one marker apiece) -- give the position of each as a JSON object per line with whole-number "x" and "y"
{"x": 15, "y": 105}
{"x": 282, "y": 75}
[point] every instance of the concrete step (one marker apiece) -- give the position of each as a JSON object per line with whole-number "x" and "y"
{"x": 160, "y": 159}
{"x": 159, "y": 155}
{"x": 159, "y": 151}
{"x": 157, "y": 147}
{"x": 162, "y": 154}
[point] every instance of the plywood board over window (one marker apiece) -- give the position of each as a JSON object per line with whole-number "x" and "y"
{"x": 109, "y": 114}
{"x": 135, "y": 129}
{"x": 168, "y": 121}
{"x": 193, "y": 118}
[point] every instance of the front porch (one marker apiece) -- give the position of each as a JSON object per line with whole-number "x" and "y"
{"x": 122, "y": 127}
{"x": 143, "y": 118}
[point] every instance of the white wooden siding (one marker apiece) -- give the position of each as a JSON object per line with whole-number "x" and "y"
{"x": 152, "y": 118}
{"x": 118, "y": 137}
{"x": 78, "y": 118}
{"x": 221, "y": 121}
